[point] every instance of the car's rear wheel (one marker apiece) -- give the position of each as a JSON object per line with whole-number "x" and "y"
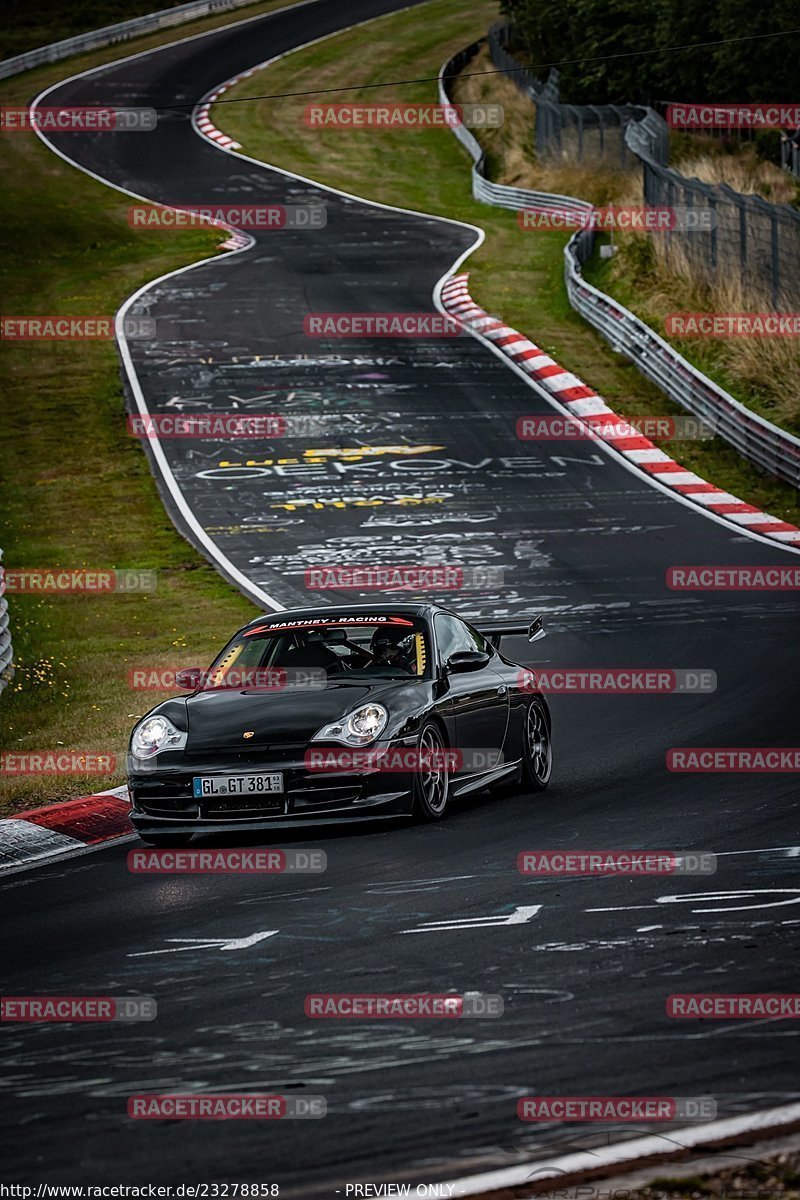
{"x": 537, "y": 748}
{"x": 431, "y": 780}
{"x": 167, "y": 841}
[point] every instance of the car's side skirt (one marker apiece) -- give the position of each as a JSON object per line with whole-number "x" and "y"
{"x": 474, "y": 782}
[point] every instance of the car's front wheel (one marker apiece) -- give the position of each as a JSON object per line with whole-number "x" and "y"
{"x": 431, "y": 779}
{"x": 166, "y": 841}
{"x": 537, "y": 747}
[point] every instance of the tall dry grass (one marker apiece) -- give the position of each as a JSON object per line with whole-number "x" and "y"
{"x": 744, "y": 172}
{"x": 655, "y": 279}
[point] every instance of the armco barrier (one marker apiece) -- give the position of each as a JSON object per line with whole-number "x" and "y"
{"x": 6, "y": 653}
{"x": 483, "y": 189}
{"x": 121, "y": 32}
{"x": 771, "y": 448}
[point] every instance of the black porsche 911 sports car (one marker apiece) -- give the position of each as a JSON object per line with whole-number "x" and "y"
{"x": 339, "y": 713}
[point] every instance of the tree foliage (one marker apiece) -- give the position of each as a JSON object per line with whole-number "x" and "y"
{"x": 615, "y": 40}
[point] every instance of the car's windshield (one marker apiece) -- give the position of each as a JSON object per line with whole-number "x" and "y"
{"x": 339, "y": 647}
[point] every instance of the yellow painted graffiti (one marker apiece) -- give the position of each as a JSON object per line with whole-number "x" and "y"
{"x": 348, "y": 454}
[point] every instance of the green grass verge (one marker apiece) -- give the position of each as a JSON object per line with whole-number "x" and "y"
{"x": 77, "y": 491}
{"x": 516, "y": 275}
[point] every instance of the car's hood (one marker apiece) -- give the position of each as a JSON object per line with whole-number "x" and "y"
{"x": 220, "y": 719}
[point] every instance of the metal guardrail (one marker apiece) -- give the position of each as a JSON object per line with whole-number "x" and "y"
{"x": 110, "y": 34}
{"x": 498, "y": 194}
{"x": 6, "y": 651}
{"x": 771, "y": 448}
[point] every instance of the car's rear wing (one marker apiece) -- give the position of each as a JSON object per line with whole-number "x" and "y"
{"x": 495, "y": 630}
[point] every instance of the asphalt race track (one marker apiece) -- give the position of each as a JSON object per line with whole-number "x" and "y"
{"x": 586, "y": 969}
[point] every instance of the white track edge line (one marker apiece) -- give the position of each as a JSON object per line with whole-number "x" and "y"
{"x": 54, "y": 856}
{"x": 624, "y": 1153}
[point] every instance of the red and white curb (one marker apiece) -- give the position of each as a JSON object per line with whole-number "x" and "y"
{"x": 591, "y": 410}
{"x": 603, "y": 1162}
{"x": 59, "y": 829}
{"x": 202, "y": 118}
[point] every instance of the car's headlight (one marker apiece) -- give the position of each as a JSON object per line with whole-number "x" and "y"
{"x": 358, "y": 728}
{"x": 154, "y": 734}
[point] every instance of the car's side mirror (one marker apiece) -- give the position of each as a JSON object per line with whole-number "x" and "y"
{"x": 536, "y": 631}
{"x": 189, "y": 678}
{"x": 467, "y": 660}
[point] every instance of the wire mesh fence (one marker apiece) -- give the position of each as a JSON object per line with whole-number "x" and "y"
{"x": 738, "y": 236}
{"x": 574, "y": 133}
{"x": 749, "y": 238}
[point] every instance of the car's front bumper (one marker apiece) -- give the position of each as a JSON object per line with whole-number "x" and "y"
{"x": 162, "y": 795}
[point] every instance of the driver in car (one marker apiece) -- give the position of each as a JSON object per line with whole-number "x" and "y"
{"x": 392, "y": 650}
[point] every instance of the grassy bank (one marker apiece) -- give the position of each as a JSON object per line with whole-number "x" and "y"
{"x": 515, "y": 274}
{"x": 77, "y": 491}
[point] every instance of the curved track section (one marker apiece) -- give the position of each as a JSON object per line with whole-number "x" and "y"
{"x": 421, "y": 463}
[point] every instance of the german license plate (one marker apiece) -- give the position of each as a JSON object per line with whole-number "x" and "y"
{"x": 236, "y": 785}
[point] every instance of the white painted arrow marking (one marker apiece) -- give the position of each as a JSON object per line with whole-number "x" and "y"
{"x": 718, "y": 897}
{"x": 210, "y": 944}
{"x": 520, "y": 916}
